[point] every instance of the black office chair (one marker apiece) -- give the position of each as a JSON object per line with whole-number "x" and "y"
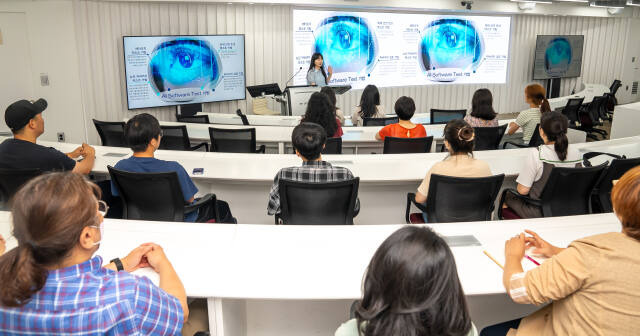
{"x": 12, "y": 179}
{"x": 566, "y": 193}
{"x": 456, "y": 199}
{"x": 590, "y": 118}
{"x": 601, "y": 195}
{"x": 234, "y": 140}
{"x": 571, "y": 111}
{"x": 154, "y": 196}
{"x": 379, "y": 121}
{"x": 488, "y": 138}
{"x": 202, "y": 119}
{"x": 177, "y": 138}
{"x": 612, "y": 101}
{"x": 111, "y": 133}
{"x": 190, "y": 110}
{"x": 438, "y": 116}
{"x": 394, "y": 145}
{"x": 535, "y": 140}
{"x": 309, "y": 203}
{"x": 333, "y": 146}
{"x": 243, "y": 117}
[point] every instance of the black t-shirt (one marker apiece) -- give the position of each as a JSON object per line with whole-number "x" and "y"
{"x": 20, "y": 154}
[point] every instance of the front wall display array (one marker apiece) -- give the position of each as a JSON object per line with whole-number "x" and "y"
{"x": 173, "y": 70}
{"x": 392, "y": 49}
{"x": 558, "y": 56}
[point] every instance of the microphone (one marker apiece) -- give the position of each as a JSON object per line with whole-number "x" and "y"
{"x": 297, "y": 72}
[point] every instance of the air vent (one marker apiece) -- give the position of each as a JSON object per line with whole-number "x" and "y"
{"x": 634, "y": 88}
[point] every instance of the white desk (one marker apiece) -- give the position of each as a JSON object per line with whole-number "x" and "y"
{"x": 626, "y": 121}
{"x": 294, "y": 280}
{"x": 589, "y": 91}
{"x": 279, "y": 120}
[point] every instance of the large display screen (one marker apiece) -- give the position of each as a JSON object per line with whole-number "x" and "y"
{"x": 558, "y": 56}
{"x": 393, "y": 49}
{"x": 173, "y": 70}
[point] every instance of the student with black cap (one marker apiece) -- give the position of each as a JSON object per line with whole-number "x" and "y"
{"x": 24, "y": 118}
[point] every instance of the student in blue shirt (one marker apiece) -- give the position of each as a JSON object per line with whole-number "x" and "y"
{"x": 143, "y": 135}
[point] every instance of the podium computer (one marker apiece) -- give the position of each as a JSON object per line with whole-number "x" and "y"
{"x": 298, "y": 96}
{"x": 260, "y": 94}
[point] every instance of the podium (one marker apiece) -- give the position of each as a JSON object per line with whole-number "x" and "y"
{"x": 298, "y": 97}
{"x": 260, "y": 94}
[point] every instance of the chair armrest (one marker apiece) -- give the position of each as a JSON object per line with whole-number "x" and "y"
{"x": 515, "y": 193}
{"x": 504, "y": 145}
{"x": 411, "y": 199}
{"x": 206, "y": 147}
{"x": 261, "y": 149}
{"x": 200, "y": 203}
{"x": 277, "y": 219}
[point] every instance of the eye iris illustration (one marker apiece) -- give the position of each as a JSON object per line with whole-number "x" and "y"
{"x": 557, "y": 57}
{"x": 450, "y": 43}
{"x": 184, "y": 63}
{"x": 346, "y": 43}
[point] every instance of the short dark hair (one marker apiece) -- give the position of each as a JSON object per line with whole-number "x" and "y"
{"x": 460, "y": 136}
{"x": 139, "y": 131}
{"x": 405, "y": 108}
{"x": 308, "y": 139}
{"x": 482, "y": 105}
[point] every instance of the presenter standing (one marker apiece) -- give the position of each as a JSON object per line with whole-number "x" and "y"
{"x": 316, "y": 75}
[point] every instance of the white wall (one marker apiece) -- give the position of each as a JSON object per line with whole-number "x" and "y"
{"x": 53, "y": 50}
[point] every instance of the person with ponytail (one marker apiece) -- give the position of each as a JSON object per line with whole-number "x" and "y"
{"x": 459, "y": 140}
{"x": 535, "y": 96}
{"x": 369, "y": 106}
{"x": 482, "y": 112}
{"x": 411, "y": 287}
{"x": 52, "y": 284}
{"x": 555, "y": 152}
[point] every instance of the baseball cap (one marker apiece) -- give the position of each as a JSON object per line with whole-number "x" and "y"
{"x": 18, "y": 114}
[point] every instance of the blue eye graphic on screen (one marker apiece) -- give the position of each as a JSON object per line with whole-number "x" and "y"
{"x": 184, "y": 63}
{"x": 450, "y": 43}
{"x": 557, "y": 57}
{"x": 347, "y": 43}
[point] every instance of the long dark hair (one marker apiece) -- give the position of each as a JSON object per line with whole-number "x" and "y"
{"x": 331, "y": 95}
{"x": 555, "y": 126}
{"x": 412, "y": 288}
{"x": 49, "y": 214}
{"x": 314, "y": 57}
{"x": 369, "y": 101}
{"x": 460, "y": 136}
{"x": 538, "y": 95}
{"x": 482, "y": 105}
{"x": 321, "y": 112}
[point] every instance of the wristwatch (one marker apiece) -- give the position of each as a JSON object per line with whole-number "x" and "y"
{"x": 118, "y": 263}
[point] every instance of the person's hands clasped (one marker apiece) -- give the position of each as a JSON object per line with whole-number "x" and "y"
{"x": 3, "y": 245}
{"x": 137, "y": 258}
{"x": 541, "y": 246}
{"x": 515, "y": 247}
{"x": 76, "y": 152}
{"x": 88, "y": 151}
{"x": 156, "y": 257}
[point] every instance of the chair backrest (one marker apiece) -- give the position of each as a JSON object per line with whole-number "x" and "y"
{"x": 149, "y": 196}
{"x": 615, "y": 86}
{"x": 568, "y": 191}
{"x": 592, "y": 113}
{"x": 243, "y": 117}
{"x": 309, "y": 203}
{"x": 202, "y": 119}
{"x": 379, "y": 121}
{"x": 333, "y": 146}
{"x": 536, "y": 139}
{"x": 394, "y": 145}
{"x": 488, "y": 138}
{"x": 175, "y": 138}
{"x": 571, "y": 109}
{"x": 241, "y": 140}
{"x": 616, "y": 169}
{"x": 12, "y": 179}
{"x": 438, "y": 116}
{"x": 462, "y": 199}
{"x": 189, "y": 110}
{"x": 111, "y": 133}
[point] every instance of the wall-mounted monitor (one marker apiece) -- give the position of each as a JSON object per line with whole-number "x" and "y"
{"x": 174, "y": 70}
{"x": 558, "y": 56}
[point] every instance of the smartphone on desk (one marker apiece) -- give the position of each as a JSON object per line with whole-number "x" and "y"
{"x": 198, "y": 171}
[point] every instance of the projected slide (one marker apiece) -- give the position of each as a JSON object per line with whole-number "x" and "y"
{"x": 171, "y": 70}
{"x": 391, "y": 49}
{"x": 558, "y": 56}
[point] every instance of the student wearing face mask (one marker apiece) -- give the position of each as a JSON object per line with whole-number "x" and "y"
{"x": 51, "y": 284}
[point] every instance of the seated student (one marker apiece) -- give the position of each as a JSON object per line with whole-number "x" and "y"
{"x": 592, "y": 284}
{"x": 369, "y": 106}
{"x": 405, "y": 108}
{"x": 322, "y": 112}
{"x": 332, "y": 99}
{"x": 143, "y": 135}
{"x": 411, "y": 288}
{"x": 52, "y": 285}
{"x": 308, "y": 140}
{"x": 482, "y": 113}
{"x": 536, "y": 170}
{"x": 535, "y": 96}
{"x": 459, "y": 140}
{"x": 24, "y": 118}
{"x": 3, "y": 245}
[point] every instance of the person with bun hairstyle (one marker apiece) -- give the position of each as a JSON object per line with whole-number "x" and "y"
{"x": 536, "y": 170}
{"x": 405, "y": 108}
{"x": 459, "y": 140}
{"x": 482, "y": 112}
{"x": 411, "y": 288}
{"x": 52, "y": 284}
{"x": 535, "y": 96}
{"x": 592, "y": 284}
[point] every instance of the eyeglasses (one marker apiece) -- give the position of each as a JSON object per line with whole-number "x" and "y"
{"x": 103, "y": 208}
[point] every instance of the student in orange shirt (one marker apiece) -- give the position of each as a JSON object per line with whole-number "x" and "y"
{"x": 405, "y": 108}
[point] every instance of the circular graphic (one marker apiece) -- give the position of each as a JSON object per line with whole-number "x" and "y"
{"x": 557, "y": 56}
{"x": 347, "y": 43}
{"x": 450, "y": 43}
